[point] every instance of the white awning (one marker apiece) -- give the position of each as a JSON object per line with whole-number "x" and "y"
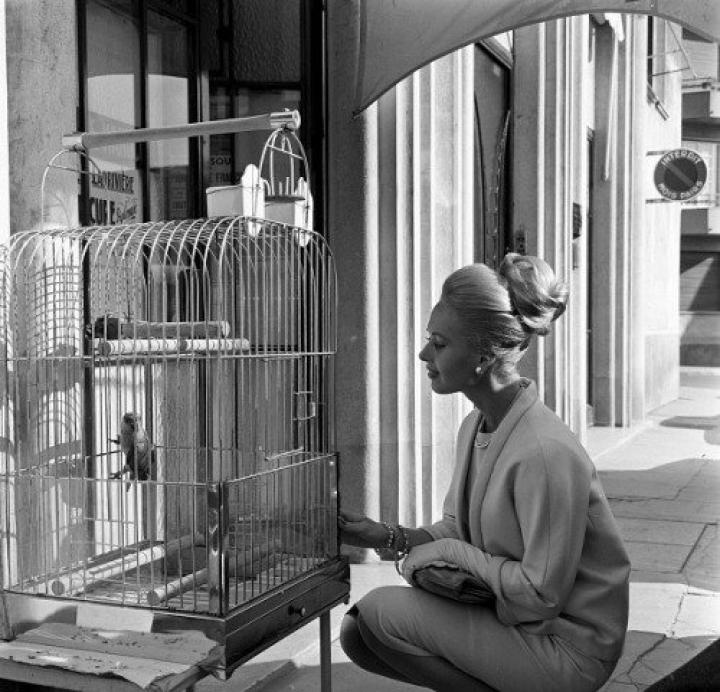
{"x": 399, "y": 36}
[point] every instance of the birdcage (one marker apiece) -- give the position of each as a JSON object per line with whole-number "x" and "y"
{"x": 165, "y": 426}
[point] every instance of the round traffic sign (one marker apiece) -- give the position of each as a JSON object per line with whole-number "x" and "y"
{"x": 680, "y": 174}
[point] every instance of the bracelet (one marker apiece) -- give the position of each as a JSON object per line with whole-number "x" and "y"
{"x": 402, "y": 553}
{"x": 390, "y": 539}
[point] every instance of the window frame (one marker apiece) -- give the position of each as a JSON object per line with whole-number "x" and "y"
{"x": 312, "y": 88}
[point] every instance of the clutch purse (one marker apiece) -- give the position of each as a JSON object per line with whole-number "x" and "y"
{"x": 448, "y": 580}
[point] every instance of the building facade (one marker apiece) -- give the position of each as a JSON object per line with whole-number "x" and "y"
{"x": 584, "y": 118}
{"x": 700, "y": 217}
{"x": 540, "y": 140}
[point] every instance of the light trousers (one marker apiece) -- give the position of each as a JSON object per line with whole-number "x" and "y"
{"x": 412, "y": 622}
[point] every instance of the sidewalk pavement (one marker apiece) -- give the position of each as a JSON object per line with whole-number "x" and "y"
{"x": 663, "y": 482}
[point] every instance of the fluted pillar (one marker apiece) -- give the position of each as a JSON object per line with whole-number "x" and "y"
{"x": 400, "y": 219}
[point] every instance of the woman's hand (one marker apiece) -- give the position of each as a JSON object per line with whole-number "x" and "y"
{"x": 357, "y": 529}
{"x": 423, "y": 555}
{"x": 448, "y": 550}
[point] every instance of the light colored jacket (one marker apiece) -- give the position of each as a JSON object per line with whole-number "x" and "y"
{"x": 539, "y": 531}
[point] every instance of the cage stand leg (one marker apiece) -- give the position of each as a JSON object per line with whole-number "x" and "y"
{"x": 325, "y": 657}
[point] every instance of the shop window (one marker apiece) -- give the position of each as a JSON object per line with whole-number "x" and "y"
{"x": 662, "y": 49}
{"x": 255, "y": 66}
{"x": 112, "y": 102}
{"x": 138, "y": 70}
{"x": 149, "y": 63}
{"x": 170, "y": 183}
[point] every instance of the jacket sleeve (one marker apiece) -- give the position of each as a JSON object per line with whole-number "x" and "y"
{"x": 551, "y": 493}
{"x": 447, "y": 526}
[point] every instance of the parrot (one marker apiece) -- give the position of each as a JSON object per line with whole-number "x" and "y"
{"x": 139, "y": 451}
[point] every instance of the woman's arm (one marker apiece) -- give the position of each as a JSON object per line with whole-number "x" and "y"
{"x": 359, "y": 530}
{"x": 551, "y": 495}
{"x": 550, "y": 502}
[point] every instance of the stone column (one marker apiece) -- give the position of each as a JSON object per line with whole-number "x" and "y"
{"x": 399, "y": 220}
{"x": 42, "y": 91}
{"x": 542, "y": 183}
{"x": 4, "y": 136}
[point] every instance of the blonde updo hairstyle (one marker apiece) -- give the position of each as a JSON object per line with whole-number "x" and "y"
{"x": 502, "y": 310}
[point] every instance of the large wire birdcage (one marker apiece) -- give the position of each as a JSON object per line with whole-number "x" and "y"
{"x": 165, "y": 412}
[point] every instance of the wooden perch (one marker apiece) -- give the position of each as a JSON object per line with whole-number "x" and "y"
{"x": 111, "y": 328}
{"x": 79, "y": 580}
{"x": 250, "y": 563}
{"x": 124, "y": 347}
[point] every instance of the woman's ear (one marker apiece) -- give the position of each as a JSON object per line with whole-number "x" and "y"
{"x": 485, "y": 363}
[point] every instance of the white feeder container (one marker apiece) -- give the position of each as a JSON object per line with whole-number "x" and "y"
{"x": 245, "y": 199}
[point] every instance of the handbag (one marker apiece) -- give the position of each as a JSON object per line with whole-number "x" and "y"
{"x": 449, "y": 581}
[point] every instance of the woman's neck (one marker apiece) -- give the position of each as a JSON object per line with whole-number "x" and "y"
{"x": 494, "y": 398}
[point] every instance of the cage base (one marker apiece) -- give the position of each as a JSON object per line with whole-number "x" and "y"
{"x": 243, "y": 633}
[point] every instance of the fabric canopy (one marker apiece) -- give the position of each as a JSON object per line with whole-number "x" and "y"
{"x": 396, "y": 37}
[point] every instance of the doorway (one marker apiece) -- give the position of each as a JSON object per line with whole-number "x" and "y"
{"x": 493, "y": 66}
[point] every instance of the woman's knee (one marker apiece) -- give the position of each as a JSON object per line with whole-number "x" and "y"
{"x": 358, "y": 651}
{"x": 382, "y": 607}
{"x": 350, "y": 639}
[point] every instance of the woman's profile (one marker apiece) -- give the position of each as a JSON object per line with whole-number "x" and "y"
{"x": 525, "y": 520}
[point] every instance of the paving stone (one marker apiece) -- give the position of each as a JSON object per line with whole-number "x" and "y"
{"x": 703, "y": 566}
{"x": 650, "y": 577}
{"x": 654, "y": 531}
{"x": 677, "y": 510}
{"x": 712, "y": 436}
{"x": 667, "y": 656}
{"x": 705, "y": 486}
{"x": 699, "y": 616}
{"x": 709, "y": 511}
{"x": 346, "y": 677}
{"x": 601, "y": 441}
{"x": 654, "y": 607}
{"x": 657, "y": 557}
{"x": 630, "y": 484}
{"x": 636, "y": 644}
{"x": 659, "y": 447}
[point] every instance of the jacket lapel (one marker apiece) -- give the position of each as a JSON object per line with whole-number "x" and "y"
{"x": 466, "y": 438}
{"x": 525, "y": 399}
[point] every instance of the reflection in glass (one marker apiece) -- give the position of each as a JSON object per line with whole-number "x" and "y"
{"x": 113, "y": 66}
{"x": 168, "y": 104}
{"x": 229, "y": 154}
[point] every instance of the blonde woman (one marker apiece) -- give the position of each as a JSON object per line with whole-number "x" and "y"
{"x": 525, "y": 519}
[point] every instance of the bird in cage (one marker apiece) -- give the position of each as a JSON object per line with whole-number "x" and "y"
{"x": 139, "y": 451}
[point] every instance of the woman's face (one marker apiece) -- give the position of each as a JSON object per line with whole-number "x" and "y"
{"x": 450, "y": 360}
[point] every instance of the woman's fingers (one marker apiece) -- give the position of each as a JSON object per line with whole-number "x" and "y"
{"x": 358, "y": 530}
{"x": 349, "y": 516}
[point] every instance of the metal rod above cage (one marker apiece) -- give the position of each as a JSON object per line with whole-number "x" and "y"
{"x": 82, "y": 141}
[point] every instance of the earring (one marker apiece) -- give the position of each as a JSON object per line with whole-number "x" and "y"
{"x": 479, "y": 370}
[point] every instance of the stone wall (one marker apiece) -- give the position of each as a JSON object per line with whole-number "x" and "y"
{"x": 42, "y": 87}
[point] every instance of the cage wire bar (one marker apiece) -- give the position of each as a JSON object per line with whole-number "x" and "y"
{"x": 164, "y": 403}
{"x": 208, "y": 342}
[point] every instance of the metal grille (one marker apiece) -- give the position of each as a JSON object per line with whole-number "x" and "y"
{"x": 164, "y": 412}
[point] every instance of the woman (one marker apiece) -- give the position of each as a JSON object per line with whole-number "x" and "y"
{"x": 525, "y": 515}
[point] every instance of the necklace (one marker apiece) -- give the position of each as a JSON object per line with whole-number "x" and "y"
{"x": 482, "y": 438}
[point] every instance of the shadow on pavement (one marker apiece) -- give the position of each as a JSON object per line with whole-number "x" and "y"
{"x": 702, "y": 672}
{"x": 710, "y": 424}
{"x": 693, "y": 422}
